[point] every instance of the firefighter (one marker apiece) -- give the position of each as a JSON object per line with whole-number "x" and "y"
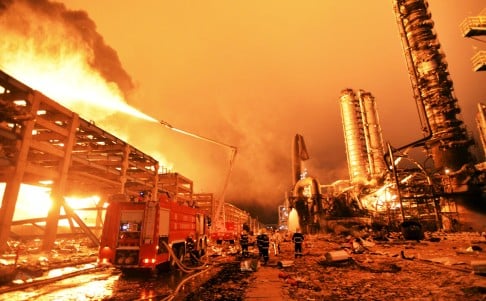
{"x": 244, "y": 243}
{"x": 190, "y": 245}
{"x": 298, "y": 240}
{"x": 263, "y": 242}
{"x": 276, "y": 240}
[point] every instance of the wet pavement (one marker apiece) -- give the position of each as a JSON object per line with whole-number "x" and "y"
{"x": 439, "y": 267}
{"x": 266, "y": 285}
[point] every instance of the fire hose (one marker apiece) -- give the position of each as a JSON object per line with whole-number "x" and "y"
{"x": 183, "y": 267}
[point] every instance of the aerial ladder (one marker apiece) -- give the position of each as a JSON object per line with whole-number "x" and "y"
{"x": 217, "y": 216}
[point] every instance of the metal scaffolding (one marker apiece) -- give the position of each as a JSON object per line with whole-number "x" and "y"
{"x": 43, "y": 143}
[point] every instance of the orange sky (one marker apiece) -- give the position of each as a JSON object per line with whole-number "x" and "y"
{"x": 255, "y": 73}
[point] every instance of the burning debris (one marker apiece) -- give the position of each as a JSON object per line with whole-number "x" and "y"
{"x": 26, "y": 261}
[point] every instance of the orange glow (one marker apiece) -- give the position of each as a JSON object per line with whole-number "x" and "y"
{"x": 32, "y": 201}
{"x": 72, "y": 67}
{"x": 35, "y": 201}
{"x": 86, "y": 202}
{"x": 252, "y": 73}
{"x": 67, "y": 79}
{"x": 61, "y": 67}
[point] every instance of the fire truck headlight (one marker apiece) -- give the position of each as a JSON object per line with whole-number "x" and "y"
{"x": 145, "y": 260}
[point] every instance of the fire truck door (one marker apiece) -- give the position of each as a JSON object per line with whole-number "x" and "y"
{"x": 163, "y": 230}
{"x": 164, "y": 222}
{"x": 199, "y": 224}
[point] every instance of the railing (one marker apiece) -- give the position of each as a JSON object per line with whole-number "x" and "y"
{"x": 479, "y": 61}
{"x": 472, "y": 26}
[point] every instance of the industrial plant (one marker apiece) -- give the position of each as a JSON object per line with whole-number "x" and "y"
{"x": 432, "y": 183}
{"x": 436, "y": 181}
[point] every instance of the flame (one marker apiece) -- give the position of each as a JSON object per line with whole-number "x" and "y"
{"x": 59, "y": 53}
{"x": 83, "y": 202}
{"x": 35, "y": 201}
{"x": 383, "y": 199}
{"x": 32, "y": 201}
{"x": 66, "y": 78}
{"x": 59, "y": 60}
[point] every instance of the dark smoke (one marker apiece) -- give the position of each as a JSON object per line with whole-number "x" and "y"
{"x": 104, "y": 59}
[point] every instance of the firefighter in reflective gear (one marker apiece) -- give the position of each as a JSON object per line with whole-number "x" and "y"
{"x": 244, "y": 243}
{"x": 191, "y": 250}
{"x": 298, "y": 240}
{"x": 263, "y": 242}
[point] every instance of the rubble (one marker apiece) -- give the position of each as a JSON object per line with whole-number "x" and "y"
{"x": 395, "y": 269}
{"x": 438, "y": 267}
{"x": 26, "y": 261}
{"x": 479, "y": 266}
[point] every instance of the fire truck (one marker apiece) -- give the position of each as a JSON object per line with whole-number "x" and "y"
{"x": 138, "y": 233}
{"x": 228, "y": 234}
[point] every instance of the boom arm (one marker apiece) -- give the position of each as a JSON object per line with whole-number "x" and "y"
{"x": 219, "y": 221}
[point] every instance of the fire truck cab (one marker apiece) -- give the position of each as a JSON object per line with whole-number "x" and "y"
{"x": 137, "y": 233}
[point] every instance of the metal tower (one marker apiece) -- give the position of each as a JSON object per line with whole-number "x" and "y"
{"x": 447, "y": 138}
{"x": 363, "y": 137}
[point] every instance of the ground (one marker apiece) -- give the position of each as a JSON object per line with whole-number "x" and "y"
{"x": 439, "y": 267}
{"x": 345, "y": 266}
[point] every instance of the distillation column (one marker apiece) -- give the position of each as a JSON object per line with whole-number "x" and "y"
{"x": 354, "y": 137}
{"x": 432, "y": 85}
{"x": 373, "y": 135}
{"x": 481, "y": 124}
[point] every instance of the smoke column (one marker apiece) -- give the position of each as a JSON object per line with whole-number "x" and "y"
{"x": 42, "y": 23}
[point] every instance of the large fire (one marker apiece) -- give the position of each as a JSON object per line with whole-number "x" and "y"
{"x": 35, "y": 202}
{"x": 53, "y": 55}
{"x": 59, "y": 53}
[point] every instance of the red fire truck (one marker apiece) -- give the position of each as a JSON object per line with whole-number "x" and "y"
{"x": 137, "y": 234}
{"x": 228, "y": 234}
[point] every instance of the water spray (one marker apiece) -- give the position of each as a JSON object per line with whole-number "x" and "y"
{"x": 217, "y": 217}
